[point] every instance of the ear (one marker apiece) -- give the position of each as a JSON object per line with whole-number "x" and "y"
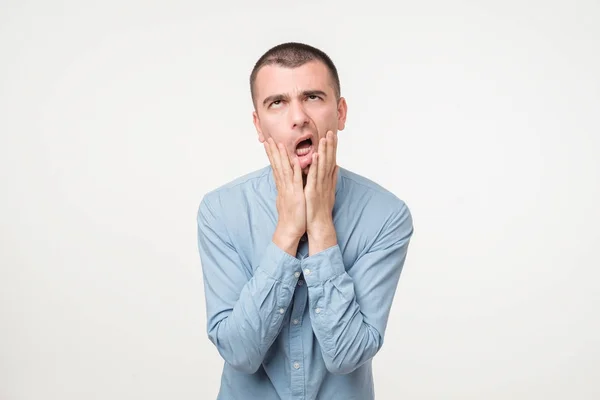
{"x": 256, "y": 121}
{"x": 342, "y": 111}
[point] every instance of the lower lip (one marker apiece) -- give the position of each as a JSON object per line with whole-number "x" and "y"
{"x": 306, "y": 159}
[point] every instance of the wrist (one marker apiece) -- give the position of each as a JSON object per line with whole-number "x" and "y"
{"x": 321, "y": 236}
{"x": 320, "y": 227}
{"x": 286, "y": 240}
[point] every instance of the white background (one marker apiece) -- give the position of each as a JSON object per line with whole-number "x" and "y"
{"x": 117, "y": 116}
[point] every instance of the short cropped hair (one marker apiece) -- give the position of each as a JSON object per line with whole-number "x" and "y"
{"x": 293, "y": 55}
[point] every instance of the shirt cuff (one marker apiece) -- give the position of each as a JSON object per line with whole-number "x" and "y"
{"x": 280, "y": 265}
{"x": 323, "y": 266}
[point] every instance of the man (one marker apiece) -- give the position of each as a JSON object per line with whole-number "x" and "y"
{"x": 301, "y": 259}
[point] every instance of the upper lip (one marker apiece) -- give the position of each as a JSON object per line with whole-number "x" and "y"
{"x": 303, "y": 138}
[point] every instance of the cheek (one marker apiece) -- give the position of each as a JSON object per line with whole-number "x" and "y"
{"x": 326, "y": 120}
{"x": 268, "y": 126}
{"x": 273, "y": 127}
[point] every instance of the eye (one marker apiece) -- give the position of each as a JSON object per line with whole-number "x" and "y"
{"x": 275, "y": 103}
{"x": 313, "y": 97}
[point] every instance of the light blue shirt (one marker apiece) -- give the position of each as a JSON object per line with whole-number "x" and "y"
{"x": 299, "y": 327}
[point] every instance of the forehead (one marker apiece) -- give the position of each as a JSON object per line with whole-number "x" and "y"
{"x": 276, "y": 79}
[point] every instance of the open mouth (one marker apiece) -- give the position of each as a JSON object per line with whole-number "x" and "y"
{"x": 304, "y": 151}
{"x": 304, "y": 147}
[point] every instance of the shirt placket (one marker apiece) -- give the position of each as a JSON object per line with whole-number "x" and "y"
{"x": 296, "y": 348}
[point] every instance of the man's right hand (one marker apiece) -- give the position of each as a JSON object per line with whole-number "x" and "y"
{"x": 291, "y": 203}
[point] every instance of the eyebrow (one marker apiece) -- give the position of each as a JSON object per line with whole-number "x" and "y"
{"x": 305, "y": 93}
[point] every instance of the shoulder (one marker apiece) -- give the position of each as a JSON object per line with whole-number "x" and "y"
{"x": 354, "y": 184}
{"x": 234, "y": 190}
{"x": 238, "y": 185}
{"x": 381, "y": 213}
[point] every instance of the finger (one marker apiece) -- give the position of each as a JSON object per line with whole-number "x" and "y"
{"x": 297, "y": 172}
{"x": 271, "y": 161}
{"x": 335, "y": 144}
{"x": 268, "y": 151}
{"x": 321, "y": 173}
{"x": 311, "y": 179}
{"x": 275, "y": 155}
{"x": 330, "y": 153}
{"x": 336, "y": 171}
{"x": 286, "y": 168}
{"x": 276, "y": 160}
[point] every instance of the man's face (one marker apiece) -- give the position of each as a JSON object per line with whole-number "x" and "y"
{"x": 296, "y": 107}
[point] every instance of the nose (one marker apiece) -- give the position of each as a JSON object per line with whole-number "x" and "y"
{"x": 298, "y": 115}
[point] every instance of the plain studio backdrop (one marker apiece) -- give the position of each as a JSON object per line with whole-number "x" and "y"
{"x": 116, "y": 117}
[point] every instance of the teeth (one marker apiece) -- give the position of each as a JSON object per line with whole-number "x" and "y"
{"x": 303, "y": 151}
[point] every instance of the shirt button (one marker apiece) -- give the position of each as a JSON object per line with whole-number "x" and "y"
{"x": 318, "y": 310}
{"x": 296, "y": 274}
{"x": 296, "y": 365}
{"x": 300, "y": 282}
{"x": 295, "y": 322}
{"x": 307, "y": 271}
{"x": 281, "y": 311}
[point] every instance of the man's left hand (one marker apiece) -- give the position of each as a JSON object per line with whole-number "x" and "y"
{"x": 320, "y": 195}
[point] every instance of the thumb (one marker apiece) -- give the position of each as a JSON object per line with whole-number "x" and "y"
{"x": 297, "y": 172}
